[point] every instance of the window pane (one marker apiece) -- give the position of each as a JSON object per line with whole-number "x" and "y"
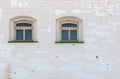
{"x": 23, "y": 25}
{"x": 73, "y": 34}
{"x": 19, "y": 34}
{"x": 28, "y": 34}
{"x": 69, "y": 25}
{"x": 64, "y": 34}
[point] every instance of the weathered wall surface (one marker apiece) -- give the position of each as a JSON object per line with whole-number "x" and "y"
{"x": 97, "y": 58}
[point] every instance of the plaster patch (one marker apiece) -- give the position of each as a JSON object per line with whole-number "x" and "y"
{"x": 20, "y": 4}
{"x": 20, "y": 55}
{"x": 2, "y": 64}
{"x": 68, "y": 58}
{"x": 118, "y": 6}
{"x": 100, "y": 13}
{"x": 1, "y": 10}
{"x": 59, "y": 12}
{"x": 94, "y": 68}
{"x": 21, "y": 73}
{"x": 47, "y": 30}
{"x": 81, "y": 11}
{"x": 42, "y": 61}
{"x": 71, "y": 67}
{"x": 89, "y": 76}
{"x": 1, "y": 37}
{"x": 114, "y": 23}
{"x": 91, "y": 23}
{"x": 42, "y": 67}
{"x": 90, "y": 57}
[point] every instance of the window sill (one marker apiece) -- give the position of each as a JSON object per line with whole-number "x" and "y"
{"x": 69, "y": 42}
{"x": 22, "y": 41}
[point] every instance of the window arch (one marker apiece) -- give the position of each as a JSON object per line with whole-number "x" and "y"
{"x": 69, "y": 29}
{"x": 23, "y": 28}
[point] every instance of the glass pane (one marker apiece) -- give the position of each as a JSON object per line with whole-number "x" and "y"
{"x": 28, "y": 34}
{"x": 23, "y": 25}
{"x": 64, "y": 34}
{"x": 73, "y": 34}
{"x": 69, "y": 25}
{"x": 19, "y": 34}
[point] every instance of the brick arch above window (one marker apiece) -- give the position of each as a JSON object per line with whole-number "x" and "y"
{"x": 23, "y": 29}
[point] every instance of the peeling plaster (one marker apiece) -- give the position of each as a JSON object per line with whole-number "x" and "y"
{"x": 59, "y": 12}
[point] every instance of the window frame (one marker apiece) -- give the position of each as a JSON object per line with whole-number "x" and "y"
{"x": 59, "y": 28}
{"x": 22, "y": 28}
{"x": 14, "y": 28}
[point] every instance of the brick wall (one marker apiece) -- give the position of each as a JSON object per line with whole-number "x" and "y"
{"x": 97, "y": 58}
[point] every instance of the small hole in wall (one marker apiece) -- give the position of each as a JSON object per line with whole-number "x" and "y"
{"x": 32, "y": 71}
{"x": 92, "y": 5}
{"x": 107, "y": 64}
{"x": 56, "y": 56}
{"x": 97, "y": 57}
{"x": 98, "y": 5}
{"x": 110, "y": 14}
{"x": 101, "y": 47}
{"x": 108, "y": 2}
{"x": 14, "y": 72}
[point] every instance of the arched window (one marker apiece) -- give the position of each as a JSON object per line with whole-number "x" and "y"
{"x": 69, "y": 29}
{"x": 23, "y": 29}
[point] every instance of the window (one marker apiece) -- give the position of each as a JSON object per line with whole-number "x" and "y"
{"x": 69, "y": 29}
{"x": 23, "y": 29}
{"x": 69, "y": 32}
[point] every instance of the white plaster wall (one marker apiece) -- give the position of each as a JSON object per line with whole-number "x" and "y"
{"x": 97, "y": 58}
